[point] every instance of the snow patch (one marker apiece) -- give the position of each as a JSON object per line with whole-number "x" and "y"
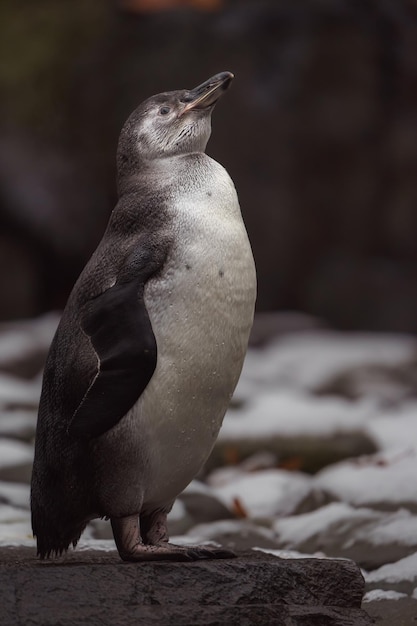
{"x": 380, "y": 594}
{"x": 404, "y": 569}
{"x": 310, "y": 359}
{"x": 299, "y": 528}
{"x": 265, "y": 493}
{"x": 288, "y": 413}
{"x": 373, "y": 481}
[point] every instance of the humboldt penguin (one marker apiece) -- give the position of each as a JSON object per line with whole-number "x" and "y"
{"x": 151, "y": 343}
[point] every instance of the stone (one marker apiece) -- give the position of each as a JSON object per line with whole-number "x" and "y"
{"x": 95, "y": 588}
{"x": 294, "y": 425}
{"x": 235, "y": 534}
{"x": 392, "y": 612}
{"x": 386, "y": 385}
{"x": 287, "y": 361}
{"x": 202, "y": 505}
{"x": 16, "y": 460}
{"x": 100, "y": 529}
{"x": 24, "y": 345}
{"x": 15, "y": 525}
{"x": 16, "y": 393}
{"x": 395, "y": 428}
{"x": 400, "y": 576}
{"x": 391, "y": 596}
{"x": 264, "y": 493}
{"x": 16, "y": 494}
{"x": 370, "y": 538}
{"x": 179, "y": 519}
{"x": 18, "y": 424}
{"x": 383, "y": 481}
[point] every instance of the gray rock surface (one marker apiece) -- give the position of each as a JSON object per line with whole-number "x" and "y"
{"x": 95, "y": 588}
{"x": 401, "y": 612}
{"x": 368, "y": 537}
{"x": 316, "y": 452}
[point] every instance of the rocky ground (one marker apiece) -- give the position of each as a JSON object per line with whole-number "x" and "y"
{"x": 317, "y": 455}
{"x": 95, "y": 589}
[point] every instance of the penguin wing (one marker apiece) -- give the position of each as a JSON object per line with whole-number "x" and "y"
{"x": 120, "y": 332}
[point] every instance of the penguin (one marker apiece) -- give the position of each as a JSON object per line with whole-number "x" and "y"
{"x": 151, "y": 342}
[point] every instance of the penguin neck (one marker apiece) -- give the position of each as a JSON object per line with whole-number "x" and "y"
{"x": 155, "y": 172}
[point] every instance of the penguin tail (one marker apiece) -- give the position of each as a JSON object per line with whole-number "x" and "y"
{"x": 54, "y": 535}
{"x": 54, "y": 544}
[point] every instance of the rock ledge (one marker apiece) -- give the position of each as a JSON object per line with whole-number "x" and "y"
{"x": 91, "y": 587}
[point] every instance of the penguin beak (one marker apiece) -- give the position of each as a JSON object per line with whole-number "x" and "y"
{"x": 206, "y": 95}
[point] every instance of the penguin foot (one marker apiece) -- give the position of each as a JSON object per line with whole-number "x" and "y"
{"x": 147, "y": 540}
{"x": 171, "y": 552}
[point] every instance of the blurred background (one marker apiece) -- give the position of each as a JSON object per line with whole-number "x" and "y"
{"x": 319, "y": 133}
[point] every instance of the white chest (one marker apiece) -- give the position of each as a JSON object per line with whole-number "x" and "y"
{"x": 201, "y": 309}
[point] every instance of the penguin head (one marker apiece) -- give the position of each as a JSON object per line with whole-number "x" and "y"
{"x": 171, "y": 123}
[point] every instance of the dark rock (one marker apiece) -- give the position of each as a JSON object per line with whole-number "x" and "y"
{"x": 313, "y": 452}
{"x": 401, "y": 612}
{"x": 97, "y": 588}
{"x": 237, "y": 535}
{"x": 368, "y": 537}
{"x": 203, "y": 506}
{"x": 389, "y": 385}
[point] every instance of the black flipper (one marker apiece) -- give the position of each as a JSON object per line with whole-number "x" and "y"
{"x": 121, "y": 334}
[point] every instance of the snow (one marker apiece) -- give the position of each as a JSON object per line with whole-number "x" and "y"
{"x": 379, "y": 480}
{"x": 18, "y": 424}
{"x": 381, "y": 594}
{"x": 404, "y": 569}
{"x": 265, "y": 493}
{"x": 17, "y": 494}
{"x": 395, "y": 429}
{"x": 197, "y": 487}
{"x": 255, "y": 462}
{"x": 16, "y": 392}
{"x": 209, "y": 532}
{"x": 309, "y": 359}
{"x": 288, "y": 413}
{"x": 178, "y": 511}
{"x": 399, "y": 527}
{"x": 107, "y": 545}
{"x": 18, "y": 537}
{"x": 19, "y": 338}
{"x": 9, "y": 514}
{"x": 14, "y": 453}
{"x": 299, "y": 528}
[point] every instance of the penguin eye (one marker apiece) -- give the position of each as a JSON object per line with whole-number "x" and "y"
{"x": 164, "y": 110}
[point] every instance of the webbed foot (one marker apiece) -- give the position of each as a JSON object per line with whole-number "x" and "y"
{"x": 171, "y": 552}
{"x": 152, "y": 543}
